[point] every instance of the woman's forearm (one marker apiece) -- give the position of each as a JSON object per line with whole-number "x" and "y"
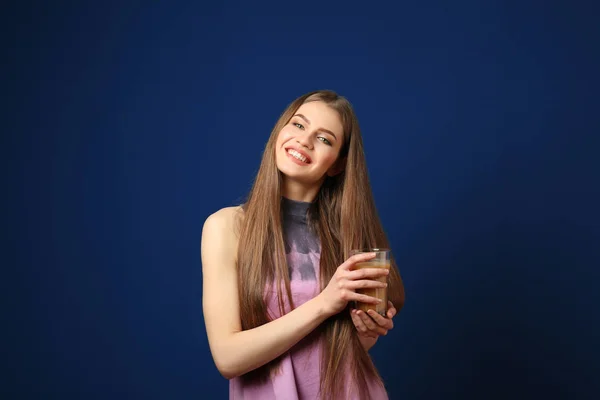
{"x": 245, "y": 351}
{"x": 367, "y": 342}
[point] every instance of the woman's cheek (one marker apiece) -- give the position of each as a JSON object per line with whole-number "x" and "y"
{"x": 330, "y": 160}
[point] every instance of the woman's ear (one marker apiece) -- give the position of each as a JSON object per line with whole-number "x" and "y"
{"x": 337, "y": 167}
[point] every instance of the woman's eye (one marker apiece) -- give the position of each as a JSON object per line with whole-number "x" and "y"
{"x": 298, "y": 125}
{"x": 322, "y": 139}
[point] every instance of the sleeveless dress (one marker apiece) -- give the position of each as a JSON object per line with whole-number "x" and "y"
{"x": 298, "y": 377}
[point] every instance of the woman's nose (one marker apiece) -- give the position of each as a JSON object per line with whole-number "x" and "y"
{"x": 304, "y": 141}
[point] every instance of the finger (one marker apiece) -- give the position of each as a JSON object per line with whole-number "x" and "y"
{"x": 367, "y": 273}
{"x": 365, "y": 284}
{"x": 362, "y": 298}
{"x": 391, "y": 310}
{"x": 358, "y": 323}
{"x": 381, "y": 321}
{"x": 349, "y": 263}
{"x": 370, "y": 324}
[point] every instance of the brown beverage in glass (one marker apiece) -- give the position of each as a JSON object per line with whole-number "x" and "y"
{"x": 381, "y": 260}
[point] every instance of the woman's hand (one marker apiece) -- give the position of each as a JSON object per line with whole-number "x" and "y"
{"x": 371, "y": 324}
{"x": 343, "y": 284}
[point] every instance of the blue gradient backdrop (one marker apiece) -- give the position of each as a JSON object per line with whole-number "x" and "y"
{"x": 125, "y": 124}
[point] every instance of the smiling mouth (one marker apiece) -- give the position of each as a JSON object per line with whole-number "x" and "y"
{"x": 298, "y": 156}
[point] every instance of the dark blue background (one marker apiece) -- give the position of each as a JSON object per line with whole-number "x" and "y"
{"x": 126, "y": 124}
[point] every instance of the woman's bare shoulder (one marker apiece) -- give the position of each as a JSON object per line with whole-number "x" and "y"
{"x": 226, "y": 214}
{"x": 224, "y": 223}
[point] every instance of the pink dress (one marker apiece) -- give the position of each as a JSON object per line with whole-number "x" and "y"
{"x": 298, "y": 377}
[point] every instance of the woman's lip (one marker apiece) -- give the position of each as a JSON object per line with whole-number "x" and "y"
{"x": 294, "y": 159}
{"x": 308, "y": 159}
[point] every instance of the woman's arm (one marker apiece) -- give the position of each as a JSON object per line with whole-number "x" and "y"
{"x": 234, "y": 351}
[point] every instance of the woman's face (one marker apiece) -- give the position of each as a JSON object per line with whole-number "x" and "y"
{"x": 308, "y": 146}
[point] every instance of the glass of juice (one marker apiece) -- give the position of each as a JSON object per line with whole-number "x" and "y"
{"x": 381, "y": 260}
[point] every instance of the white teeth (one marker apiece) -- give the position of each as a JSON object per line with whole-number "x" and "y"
{"x": 297, "y": 155}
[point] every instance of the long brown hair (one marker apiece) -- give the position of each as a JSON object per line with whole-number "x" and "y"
{"x": 344, "y": 217}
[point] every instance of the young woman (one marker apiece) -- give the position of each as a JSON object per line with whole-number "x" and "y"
{"x": 278, "y": 278}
